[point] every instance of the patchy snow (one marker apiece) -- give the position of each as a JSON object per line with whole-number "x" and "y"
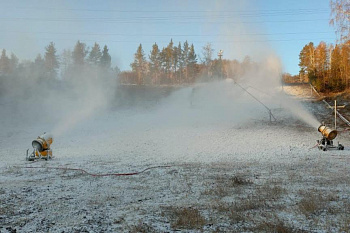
{"x": 302, "y": 91}
{"x": 204, "y": 146}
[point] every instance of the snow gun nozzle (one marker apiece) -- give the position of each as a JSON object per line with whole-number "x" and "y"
{"x": 327, "y": 132}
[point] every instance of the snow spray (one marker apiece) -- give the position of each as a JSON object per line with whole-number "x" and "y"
{"x": 88, "y": 94}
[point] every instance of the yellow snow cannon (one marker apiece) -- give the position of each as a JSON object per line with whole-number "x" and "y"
{"x": 327, "y": 132}
{"x": 41, "y": 148}
{"x": 328, "y": 135}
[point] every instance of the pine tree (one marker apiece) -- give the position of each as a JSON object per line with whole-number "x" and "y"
{"x": 95, "y": 55}
{"x": 66, "y": 60}
{"x": 175, "y": 61}
{"x": 13, "y": 63}
{"x": 168, "y": 59}
{"x": 139, "y": 64}
{"x": 154, "y": 64}
{"x": 192, "y": 63}
{"x": 4, "y": 63}
{"x": 170, "y": 52}
{"x": 39, "y": 68}
{"x": 105, "y": 58}
{"x": 79, "y": 54}
{"x": 51, "y": 60}
{"x": 39, "y": 61}
{"x": 180, "y": 61}
{"x": 117, "y": 70}
{"x": 184, "y": 59}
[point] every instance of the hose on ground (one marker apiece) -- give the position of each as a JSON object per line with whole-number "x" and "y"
{"x": 94, "y": 174}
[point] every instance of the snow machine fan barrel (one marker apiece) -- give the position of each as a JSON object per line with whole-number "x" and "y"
{"x": 43, "y": 142}
{"x": 41, "y": 147}
{"x": 38, "y": 144}
{"x": 327, "y": 132}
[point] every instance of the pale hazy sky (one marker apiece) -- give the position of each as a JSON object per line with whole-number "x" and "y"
{"x": 252, "y": 27}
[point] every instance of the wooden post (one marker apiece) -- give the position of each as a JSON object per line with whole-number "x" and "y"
{"x": 335, "y": 114}
{"x": 310, "y": 91}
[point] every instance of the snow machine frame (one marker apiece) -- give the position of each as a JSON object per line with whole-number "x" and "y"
{"x": 326, "y": 142}
{"x": 41, "y": 148}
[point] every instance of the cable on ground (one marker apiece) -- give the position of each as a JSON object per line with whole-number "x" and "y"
{"x": 95, "y": 174}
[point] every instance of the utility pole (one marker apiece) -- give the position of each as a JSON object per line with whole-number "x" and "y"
{"x": 220, "y": 54}
{"x": 220, "y": 61}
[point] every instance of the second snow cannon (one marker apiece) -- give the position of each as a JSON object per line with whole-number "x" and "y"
{"x": 328, "y": 135}
{"x": 41, "y": 148}
{"x": 327, "y": 132}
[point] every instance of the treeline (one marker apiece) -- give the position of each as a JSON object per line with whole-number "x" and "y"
{"x": 327, "y": 67}
{"x": 174, "y": 65}
{"x": 290, "y": 79}
{"x": 51, "y": 68}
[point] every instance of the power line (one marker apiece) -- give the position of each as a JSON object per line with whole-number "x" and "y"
{"x": 130, "y": 21}
{"x": 283, "y": 11}
{"x": 168, "y": 35}
{"x": 215, "y": 41}
{"x": 219, "y": 15}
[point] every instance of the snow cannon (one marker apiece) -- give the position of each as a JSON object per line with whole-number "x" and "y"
{"x": 328, "y": 135}
{"x": 41, "y": 148}
{"x": 327, "y": 132}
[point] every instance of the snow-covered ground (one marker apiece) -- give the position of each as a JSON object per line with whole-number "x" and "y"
{"x": 228, "y": 170}
{"x": 301, "y": 91}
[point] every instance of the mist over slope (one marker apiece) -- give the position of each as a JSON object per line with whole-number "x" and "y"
{"x": 62, "y": 104}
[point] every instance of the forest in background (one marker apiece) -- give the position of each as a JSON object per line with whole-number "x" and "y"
{"x": 179, "y": 65}
{"x": 172, "y": 65}
{"x": 54, "y": 71}
{"x": 326, "y": 66}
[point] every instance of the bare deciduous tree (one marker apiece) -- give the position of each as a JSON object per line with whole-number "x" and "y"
{"x": 340, "y": 18}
